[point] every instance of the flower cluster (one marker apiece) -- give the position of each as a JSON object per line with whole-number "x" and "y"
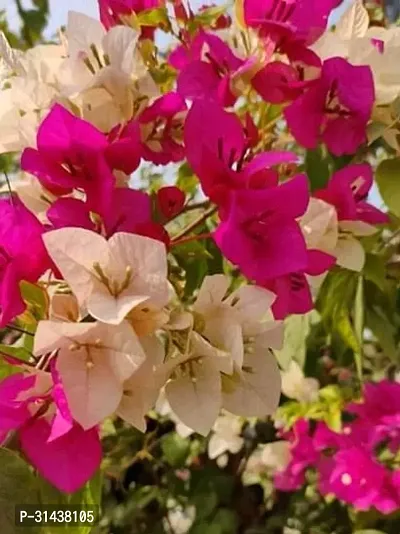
{"x": 358, "y": 465}
{"x": 114, "y": 328}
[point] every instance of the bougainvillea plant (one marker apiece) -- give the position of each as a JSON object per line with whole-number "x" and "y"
{"x": 196, "y": 239}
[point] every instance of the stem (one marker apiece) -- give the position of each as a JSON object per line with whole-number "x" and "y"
{"x": 189, "y": 238}
{"x": 20, "y": 330}
{"x": 12, "y": 357}
{"x": 200, "y": 220}
{"x": 196, "y": 206}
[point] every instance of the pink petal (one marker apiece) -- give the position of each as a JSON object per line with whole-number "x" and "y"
{"x": 67, "y": 462}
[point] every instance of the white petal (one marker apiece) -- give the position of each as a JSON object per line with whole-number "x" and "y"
{"x": 196, "y": 403}
{"x": 252, "y": 303}
{"x": 140, "y": 395}
{"x": 358, "y": 228}
{"x": 216, "y": 446}
{"x": 148, "y": 260}
{"x": 350, "y": 253}
{"x": 227, "y": 336}
{"x": 74, "y": 251}
{"x": 257, "y": 388}
{"x": 211, "y": 293}
{"x": 354, "y": 22}
{"x": 93, "y": 393}
{"x": 120, "y": 44}
{"x": 82, "y": 32}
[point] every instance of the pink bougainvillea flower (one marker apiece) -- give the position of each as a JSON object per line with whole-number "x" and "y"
{"x": 161, "y": 126}
{"x": 354, "y": 477}
{"x": 216, "y": 145}
{"x": 348, "y": 190}
{"x": 71, "y": 155}
{"x": 279, "y": 82}
{"x": 380, "y": 412}
{"x": 22, "y": 255}
{"x": 156, "y": 135}
{"x": 67, "y": 462}
{"x": 65, "y": 455}
{"x": 293, "y": 290}
{"x": 130, "y": 211}
{"x": 112, "y": 12}
{"x": 13, "y": 411}
{"x": 303, "y": 455}
{"x": 207, "y": 66}
{"x": 283, "y": 22}
{"x": 70, "y": 212}
{"x": 170, "y": 201}
{"x": 335, "y": 109}
{"x": 260, "y": 224}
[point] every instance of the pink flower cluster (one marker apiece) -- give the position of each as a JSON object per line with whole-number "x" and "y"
{"x": 358, "y": 464}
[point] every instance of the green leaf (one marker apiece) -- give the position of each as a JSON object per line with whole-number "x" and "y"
{"x": 383, "y": 330}
{"x": 36, "y": 299}
{"x": 317, "y": 168}
{"x": 297, "y": 328}
{"x": 187, "y": 180}
{"x": 193, "y": 258}
{"x": 205, "y": 504}
{"x": 374, "y": 270}
{"x": 17, "y": 487}
{"x": 387, "y": 178}
{"x": 209, "y": 16}
{"x": 175, "y": 449}
{"x": 154, "y": 17}
{"x": 369, "y": 531}
{"x": 88, "y": 496}
{"x": 359, "y": 325}
{"x": 226, "y": 520}
{"x": 20, "y": 353}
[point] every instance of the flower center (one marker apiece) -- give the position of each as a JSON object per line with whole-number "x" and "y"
{"x": 114, "y": 287}
{"x": 346, "y": 479}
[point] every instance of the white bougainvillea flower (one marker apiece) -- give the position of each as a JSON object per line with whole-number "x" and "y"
{"x": 378, "y": 48}
{"x": 29, "y": 83}
{"x": 94, "y": 360}
{"x": 242, "y": 325}
{"x": 320, "y": 226}
{"x": 226, "y": 436}
{"x": 296, "y": 386}
{"x": 164, "y": 409}
{"x": 34, "y": 196}
{"x": 227, "y": 319}
{"x": 141, "y": 390}
{"x": 276, "y": 456}
{"x": 104, "y": 74}
{"x": 64, "y": 307}
{"x": 349, "y": 251}
{"x": 253, "y": 390}
{"x": 323, "y": 231}
{"x": 111, "y": 278}
{"x": 193, "y": 389}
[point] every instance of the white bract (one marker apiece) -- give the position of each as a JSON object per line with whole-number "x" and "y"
{"x": 225, "y": 358}
{"x": 29, "y": 82}
{"x": 111, "y": 278}
{"x": 105, "y": 74}
{"x": 296, "y": 386}
{"x": 94, "y": 360}
{"x": 226, "y": 436}
{"x": 323, "y": 231}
